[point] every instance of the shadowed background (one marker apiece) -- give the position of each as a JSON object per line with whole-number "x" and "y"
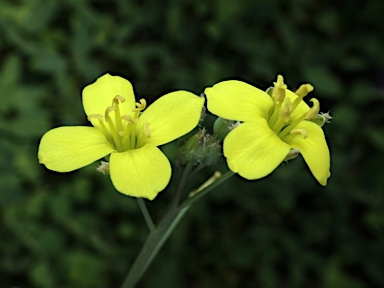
{"x": 75, "y": 230}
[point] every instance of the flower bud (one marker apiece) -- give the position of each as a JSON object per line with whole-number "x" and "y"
{"x": 103, "y": 168}
{"x": 322, "y": 118}
{"x": 221, "y": 128}
{"x": 201, "y": 148}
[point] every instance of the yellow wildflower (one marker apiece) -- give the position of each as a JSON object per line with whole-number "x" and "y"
{"x": 120, "y": 129}
{"x": 274, "y": 128}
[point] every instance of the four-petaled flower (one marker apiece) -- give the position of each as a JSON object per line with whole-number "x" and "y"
{"x": 120, "y": 129}
{"x": 275, "y": 127}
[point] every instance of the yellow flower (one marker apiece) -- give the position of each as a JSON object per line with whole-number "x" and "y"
{"x": 274, "y": 128}
{"x": 120, "y": 129}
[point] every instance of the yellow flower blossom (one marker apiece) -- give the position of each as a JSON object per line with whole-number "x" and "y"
{"x": 124, "y": 131}
{"x": 276, "y": 126}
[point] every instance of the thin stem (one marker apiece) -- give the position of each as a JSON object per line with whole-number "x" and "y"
{"x": 197, "y": 196}
{"x": 146, "y": 215}
{"x": 172, "y": 217}
{"x": 159, "y": 234}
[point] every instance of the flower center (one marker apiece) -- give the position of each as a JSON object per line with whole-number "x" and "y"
{"x": 121, "y": 130}
{"x": 281, "y": 119}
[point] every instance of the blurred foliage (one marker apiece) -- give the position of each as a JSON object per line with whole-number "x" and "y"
{"x": 74, "y": 230}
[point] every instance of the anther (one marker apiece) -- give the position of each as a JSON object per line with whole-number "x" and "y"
{"x": 301, "y": 93}
{"x": 314, "y": 109}
{"x": 109, "y": 110}
{"x": 147, "y": 131}
{"x": 299, "y": 131}
{"x": 286, "y": 111}
{"x": 129, "y": 119}
{"x": 118, "y": 99}
{"x": 304, "y": 90}
{"x": 95, "y": 116}
{"x": 140, "y": 106}
{"x": 278, "y": 92}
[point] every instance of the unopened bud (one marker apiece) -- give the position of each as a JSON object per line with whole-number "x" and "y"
{"x": 202, "y": 148}
{"x": 103, "y": 168}
{"x": 221, "y": 128}
{"x": 321, "y": 119}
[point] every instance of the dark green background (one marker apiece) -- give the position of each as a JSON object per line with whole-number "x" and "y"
{"x": 75, "y": 230}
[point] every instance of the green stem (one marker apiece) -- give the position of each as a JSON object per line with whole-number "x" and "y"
{"x": 159, "y": 234}
{"x": 188, "y": 202}
{"x": 146, "y": 214}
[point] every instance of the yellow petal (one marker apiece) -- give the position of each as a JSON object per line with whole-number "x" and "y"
{"x": 140, "y": 172}
{"x": 236, "y": 100}
{"x": 253, "y": 150}
{"x": 99, "y": 95}
{"x": 66, "y": 149}
{"x": 315, "y": 150}
{"x": 170, "y": 117}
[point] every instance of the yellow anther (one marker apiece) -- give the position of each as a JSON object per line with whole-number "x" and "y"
{"x": 109, "y": 110}
{"x": 299, "y": 131}
{"x": 118, "y": 99}
{"x": 140, "y": 106}
{"x": 286, "y": 111}
{"x": 129, "y": 119}
{"x": 280, "y": 82}
{"x": 304, "y": 90}
{"x": 147, "y": 131}
{"x": 278, "y": 92}
{"x": 95, "y": 116}
{"x": 314, "y": 109}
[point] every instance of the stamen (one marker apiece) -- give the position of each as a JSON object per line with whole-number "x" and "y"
{"x": 102, "y": 125}
{"x": 109, "y": 110}
{"x": 286, "y": 111}
{"x": 301, "y": 93}
{"x": 123, "y": 136}
{"x": 129, "y": 119}
{"x": 114, "y": 132}
{"x": 131, "y": 122}
{"x": 314, "y": 110}
{"x": 118, "y": 99}
{"x": 278, "y": 93}
{"x": 95, "y": 116}
{"x": 147, "y": 131}
{"x": 140, "y": 106}
{"x": 304, "y": 90}
{"x": 287, "y": 129}
{"x": 299, "y": 131}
